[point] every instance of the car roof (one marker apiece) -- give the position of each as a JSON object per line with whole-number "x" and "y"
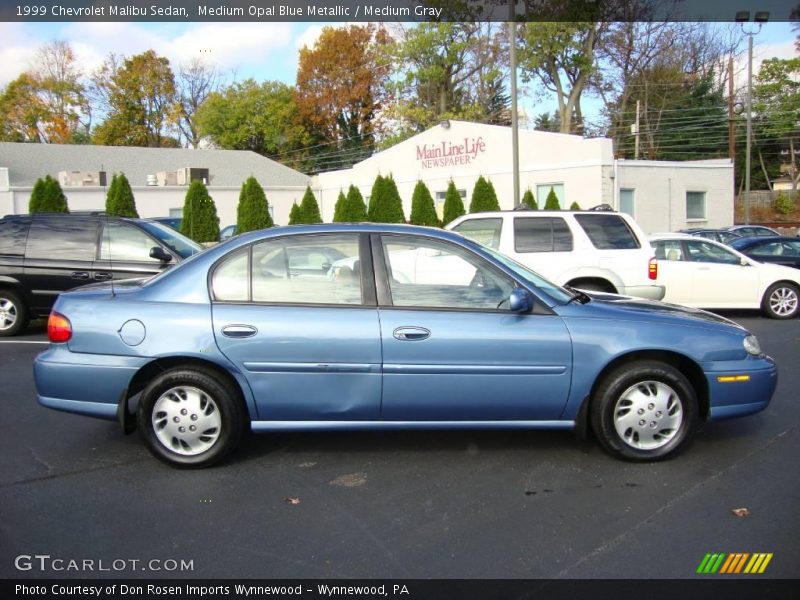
{"x": 655, "y": 237}
{"x": 349, "y": 228}
{"x": 539, "y": 213}
{"x": 762, "y": 239}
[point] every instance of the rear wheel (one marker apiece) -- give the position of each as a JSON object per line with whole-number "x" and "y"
{"x": 190, "y": 417}
{"x": 781, "y": 301}
{"x": 644, "y": 411}
{"x": 13, "y": 313}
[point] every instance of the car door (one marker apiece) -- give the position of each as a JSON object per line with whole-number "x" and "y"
{"x": 719, "y": 280}
{"x": 674, "y": 271}
{"x": 308, "y": 341}
{"x": 451, "y": 350}
{"x": 124, "y": 253}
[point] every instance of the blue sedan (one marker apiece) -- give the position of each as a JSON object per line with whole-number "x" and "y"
{"x": 363, "y": 327}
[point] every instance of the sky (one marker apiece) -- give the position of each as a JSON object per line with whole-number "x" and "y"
{"x": 259, "y": 50}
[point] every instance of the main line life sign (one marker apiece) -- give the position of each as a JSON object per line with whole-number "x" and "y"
{"x": 448, "y": 154}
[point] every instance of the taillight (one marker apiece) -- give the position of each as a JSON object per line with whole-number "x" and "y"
{"x": 652, "y": 268}
{"x": 59, "y": 329}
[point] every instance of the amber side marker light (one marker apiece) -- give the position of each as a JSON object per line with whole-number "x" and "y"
{"x": 59, "y": 329}
{"x": 733, "y": 378}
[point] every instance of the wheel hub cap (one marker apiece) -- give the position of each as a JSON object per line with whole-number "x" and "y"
{"x": 648, "y": 415}
{"x": 8, "y": 313}
{"x": 783, "y": 301}
{"x": 186, "y": 420}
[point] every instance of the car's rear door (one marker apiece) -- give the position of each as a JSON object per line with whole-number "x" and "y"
{"x": 307, "y": 340}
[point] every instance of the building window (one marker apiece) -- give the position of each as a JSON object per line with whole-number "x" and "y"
{"x": 543, "y": 190}
{"x": 440, "y": 197}
{"x": 695, "y": 205}
{"x": 626, "y": 202}
{"x": 176, "y": 212}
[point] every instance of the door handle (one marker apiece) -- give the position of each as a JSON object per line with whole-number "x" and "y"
{"x": 239, "y": 331}
{"x": 102, "y": 276}
{"x": 411, "y": 334}
{"x": 80, "y": 275}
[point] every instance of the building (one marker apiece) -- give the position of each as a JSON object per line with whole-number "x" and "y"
{"x": 159, "y": 177}
{"x": 661, "y": 196}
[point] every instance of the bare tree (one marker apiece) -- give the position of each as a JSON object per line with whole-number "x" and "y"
{"x": 196, "y": 80}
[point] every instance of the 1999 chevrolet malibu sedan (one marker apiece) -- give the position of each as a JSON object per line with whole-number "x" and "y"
{"x": 357, "y": 327}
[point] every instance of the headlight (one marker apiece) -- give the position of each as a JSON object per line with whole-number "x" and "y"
{"x": 751, "y": 345}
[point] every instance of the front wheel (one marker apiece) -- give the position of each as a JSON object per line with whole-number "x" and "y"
{"x": 781, "y": 301}
{"x": 190, "y": 417}
{"x": 644, "y": 411}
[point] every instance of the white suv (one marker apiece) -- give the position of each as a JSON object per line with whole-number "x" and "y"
{"x": 601, "y": 251}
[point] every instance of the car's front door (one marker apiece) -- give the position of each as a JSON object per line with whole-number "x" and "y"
{"x": 719, "y": 279}
{"x": 124, "y": 253}
{"x": 307, "y": 340}
{"x": 452, "y": 351}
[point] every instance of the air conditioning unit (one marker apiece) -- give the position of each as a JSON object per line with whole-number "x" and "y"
{"x": 167, "y": 178}
{"x": 82, "y": 178}
{"x": 188, "y": 174}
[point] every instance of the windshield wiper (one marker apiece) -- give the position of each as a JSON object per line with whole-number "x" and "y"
{"x": 577, "y": 295}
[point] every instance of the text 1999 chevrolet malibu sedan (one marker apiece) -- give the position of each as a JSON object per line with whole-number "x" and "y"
{"x": 356, "y": 327}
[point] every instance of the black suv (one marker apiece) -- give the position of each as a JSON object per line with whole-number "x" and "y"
{"x": 44, "y": 254}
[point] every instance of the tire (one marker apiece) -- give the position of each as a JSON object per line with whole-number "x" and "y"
{"x": 644, "y": 411}
{"x": 13, "y": 313}
{"x": 781, "y": 301}
{"x": 184, "y": 398}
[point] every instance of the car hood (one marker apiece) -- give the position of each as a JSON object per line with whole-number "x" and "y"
{"x": 604, "y": 305}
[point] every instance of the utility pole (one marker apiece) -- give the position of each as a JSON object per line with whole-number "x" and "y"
{"x": 731, "y": 138}
{"x": 512, "y": 34}
{"x": 636, "y": 142}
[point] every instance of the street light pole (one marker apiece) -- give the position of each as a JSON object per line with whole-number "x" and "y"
{"x": 512, "y": 34}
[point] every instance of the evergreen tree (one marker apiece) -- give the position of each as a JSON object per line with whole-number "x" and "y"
{"x": 574, "y": 206}
{"x": 387, "y": 207}
{"x": 423, "y": 210}
{"x": 552, "y": 201}
{"x": 453, "y": 204}
{"x": 295, "y": 215}
{"x": 309, "y": 209}
{"x": 200, "y": 221}
{"x": 120, "y": 201}
{"x": 252, "y": 211}
{"x": 484, "y": 198}
{"x": 376, "y": 198}
{"x": 341, "y": 206}
{"x": 352, "y": 209}
{"x": 37, "y": 195}
{"x": 53, "y": 198}
{"x": 528, "y": 200}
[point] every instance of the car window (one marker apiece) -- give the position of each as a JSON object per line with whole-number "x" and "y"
{"x": 172, "y": 239}
{"x": 710, "y": 253}
{"x": 231, "y": 280}
{"x": 68, "y": 238}
{"x": 483, "y": 231}
{"x": 669, "y": 250}
{"x": 778, "y": 248}
{"x": 541, "y": 234}
{"x": 608, "y": 231}
{"x": 432, "y": 274}
{"x": 126, "y": 243}
{"x": 12, "y": 236}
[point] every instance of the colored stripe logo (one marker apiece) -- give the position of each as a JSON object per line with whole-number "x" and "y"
{"x": 734, "y": 563}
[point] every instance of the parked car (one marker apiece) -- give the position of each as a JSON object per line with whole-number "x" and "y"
{"x": 418, "y": 329}
{"x": 781, "y": 250}
{"x": 707, "y": 274}
{"x": 45, "y": 254}
{"x": 753, "y": 231}
{"x": 228, "y": 232}
{"x": 173, "y": 222}
{"x": 602, "y": 250}
{"x": 718, "y": 235}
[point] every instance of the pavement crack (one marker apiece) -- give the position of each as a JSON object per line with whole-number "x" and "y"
{"x": 51, "y": 474}
{"x": 50, "y": 468}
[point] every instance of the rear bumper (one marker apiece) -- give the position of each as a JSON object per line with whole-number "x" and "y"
{"x": 741, "y": 392}
{"x": 648, "y": 292}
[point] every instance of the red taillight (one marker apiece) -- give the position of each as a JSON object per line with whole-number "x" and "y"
{"x": 59, "y": 329}
{"x": 652, "y": 268}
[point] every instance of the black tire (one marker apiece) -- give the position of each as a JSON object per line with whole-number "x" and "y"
{"x": 208, "y": 400}
{"x": 781, "y": 301}
{"x": 638, "y": 383}
{"x": 13, "y": 313}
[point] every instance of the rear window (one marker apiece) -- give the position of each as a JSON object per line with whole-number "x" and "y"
{"x": 608, "y": 232}
{"x": 12, "y": 236}
{"x": 542, "y": 234}
{"x": 483, "y": 231}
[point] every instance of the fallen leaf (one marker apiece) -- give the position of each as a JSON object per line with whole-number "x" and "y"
{"x": 292, "y": 499}
{"x": 350, "y": 480}
{"x": 740, "y": 512}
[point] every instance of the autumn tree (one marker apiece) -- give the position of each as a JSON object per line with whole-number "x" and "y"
{"x": 453, "y": 204}
{"x": 252, "y": 212}
{"x": 141, "y": 101}
{"x": 200, "y": 221}
{"x": 423, "y": 210}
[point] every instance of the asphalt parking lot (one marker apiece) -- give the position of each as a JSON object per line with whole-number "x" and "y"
{"x": 399, "y": 504}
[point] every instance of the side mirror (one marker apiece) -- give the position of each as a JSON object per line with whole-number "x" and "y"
{"x": 159, "y": 253}
{"x": 520, "y": 300}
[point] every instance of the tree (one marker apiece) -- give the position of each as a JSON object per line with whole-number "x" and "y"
{"x": 453, "y": 204}
{"x": 423, "y": 210}
{"x": 575, "y": 206}
{"x": 49, "y": 198}
{"x": 295, "y": 215}
{"x": 195, "y": 82}
{"x": 547, "y": 122}
{"x": 340, "y": 90}
{"x": 200, "y": 221}
{"x": 385, "y": 205}
{"x": 141, "y": 101}
{"x": 119, "y": 200}
{"x": 350, "y": 208}
{"x": 552, "y": 201}
{"x": 37, "y": 195}
{"x": 528, "y": 200}
{"x": 484, "y": 198}
{"x": 252, "y": 213}
{"x": 309, "y": 209}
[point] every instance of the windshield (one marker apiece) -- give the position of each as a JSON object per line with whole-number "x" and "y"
{"x": 551, "y": 289}
{"x": 177, "y": 242}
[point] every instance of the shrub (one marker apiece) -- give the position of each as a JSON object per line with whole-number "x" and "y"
{"x": 528, "y": 200}
{"x": 351, "y": 209}
{"x": 119, "y": 200}
{"x": 200, "y": 221}
{"x": 574, "y": 206}
{"x": 385, "y": 205}
{"x": 37, "y": 195}
{"x": 295, "y": 217}
{"x": 783, "y": 203}
{"x": 309, "y": 209}
{"x": 484, "y": 198}
{"x": 552, "y": 201}
{"x": 253, "y": 210}
{"x": 53, "y": 199}
{"x": 453, "y": 204}
{"x": 423, "y": 210}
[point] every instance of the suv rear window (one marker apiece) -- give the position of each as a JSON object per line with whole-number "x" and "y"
{"x": 12, "y": 236}
{"x": 541, "y": 234}
{"x": 608, "y": 232}
{"x": 483, "y": 231}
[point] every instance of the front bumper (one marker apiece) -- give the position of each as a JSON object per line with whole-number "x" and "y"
{"x": 740, "y": 392}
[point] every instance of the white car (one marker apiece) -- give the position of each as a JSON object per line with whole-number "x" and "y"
{"x": 706, "y": 274}
{"x": 602, "y": 251}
